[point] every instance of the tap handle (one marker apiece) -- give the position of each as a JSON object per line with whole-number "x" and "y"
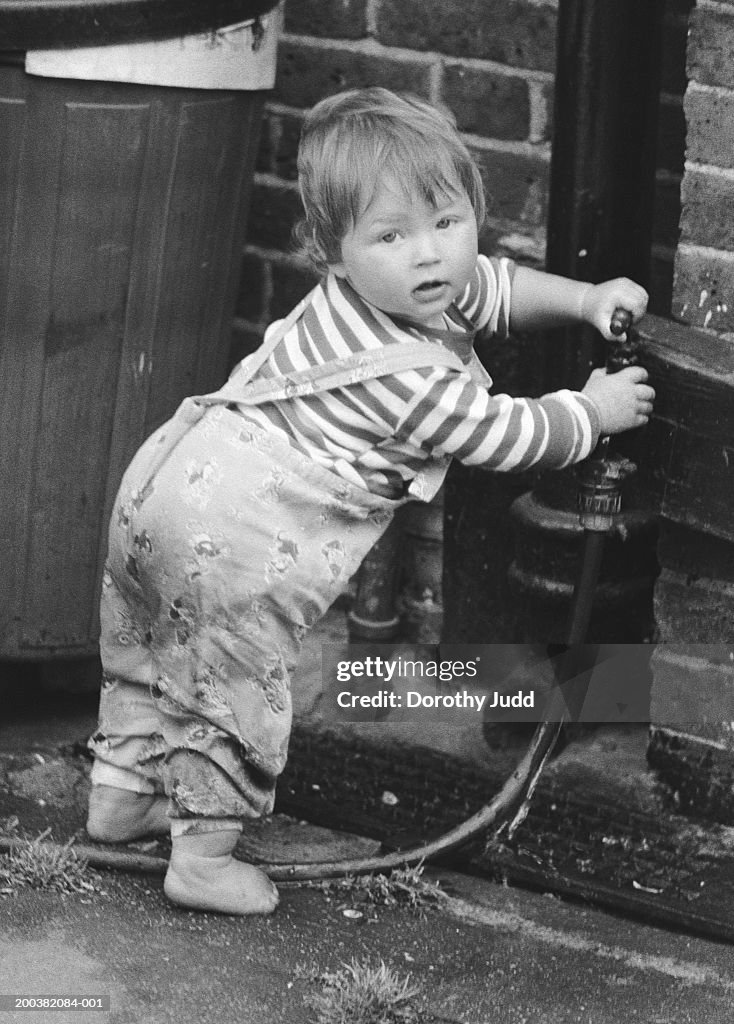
{"x": 621, "y": 321}
{"x": 623, "y": 351}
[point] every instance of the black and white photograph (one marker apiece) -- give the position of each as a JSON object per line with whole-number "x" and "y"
{"x": 367, "y": 511}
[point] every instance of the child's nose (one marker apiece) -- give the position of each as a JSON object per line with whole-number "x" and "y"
{"x": 426, "y": 249}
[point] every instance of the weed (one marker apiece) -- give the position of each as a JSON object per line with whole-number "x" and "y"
{"x": 38, "y": 865}
{"x": 361, "y": 994}
{"x": 404, "y": 887}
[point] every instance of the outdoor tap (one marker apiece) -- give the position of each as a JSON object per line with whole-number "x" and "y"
{"x": 601, "y": 476}
{"x": 622, "y": 351}
{"x": 600, "y": 481}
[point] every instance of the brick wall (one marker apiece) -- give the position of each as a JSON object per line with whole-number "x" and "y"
{"x": 704, "y": 265}
{"x": 692, "y": 741}
{"x": 493, "y": 65}
{"x": 695, "y": 600}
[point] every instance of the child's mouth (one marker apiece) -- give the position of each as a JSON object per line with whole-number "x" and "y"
{"x": 429, "y": 289}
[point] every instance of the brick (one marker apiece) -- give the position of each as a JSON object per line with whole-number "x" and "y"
{"x": 698, "y": 772}
{"x": 543, "y": 97}
{"x": 691, "y": 691}
{"x": 710, "y": 117}
{"x": 694, "y": 611}
{"x": 264, "y": 160}
{"x": 251, "y": 297}
{"x": 710, "y": 47}
{"x": 516, "y": 185}
{"x": 692, "y": 554}
{"x": 279, "y": 139}
{"x": 512, "y": 32}
{"x": 703, "y": 286}
{"x": 708, "y": 209}
{"x": 286, "y": 147}
{"x": 487, "y": 103}
{"x": 671, "y": 135}
{"x": 308, "y": 73}
{"x": 273, "y": 213}
{"x": 290, "y": 284}
{"x": 336, "y": 19}
{"x": 520, "y": 242}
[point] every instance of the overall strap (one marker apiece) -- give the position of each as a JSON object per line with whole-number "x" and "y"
{"x": 240, "y": 389}
{"x": 252, "y": 363}
{"x": 367, "y": 365}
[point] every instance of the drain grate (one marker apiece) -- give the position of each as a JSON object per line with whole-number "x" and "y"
{"x": 660, "y": 867}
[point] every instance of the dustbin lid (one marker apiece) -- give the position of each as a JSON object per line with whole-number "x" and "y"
{"x": 37, "y": 24}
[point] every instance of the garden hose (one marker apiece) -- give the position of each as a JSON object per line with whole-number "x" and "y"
{"x": 516, "y": 790}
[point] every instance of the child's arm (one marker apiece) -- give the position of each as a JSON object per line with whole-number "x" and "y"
{"x": 542, "y": 300}
{"x": 624, "y": 400}
{"x": 448, "y": 414}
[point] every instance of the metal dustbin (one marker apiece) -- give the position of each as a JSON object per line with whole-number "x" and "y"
{"x": 130, "y": 129}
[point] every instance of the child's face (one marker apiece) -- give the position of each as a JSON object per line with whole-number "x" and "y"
{"x": 409, "y": 259}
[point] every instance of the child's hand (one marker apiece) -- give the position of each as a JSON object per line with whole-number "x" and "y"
{"x": 624, "y": 399}
{"x": 599, "y": 301}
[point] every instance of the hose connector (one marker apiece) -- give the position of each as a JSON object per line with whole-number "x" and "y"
{"x": 600, "y": 477}
{"x": 599, "y": 495}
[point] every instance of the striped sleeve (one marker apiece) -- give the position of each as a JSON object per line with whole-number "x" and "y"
{"x": 486, "y": 299}
{"x": 453, "y": 416}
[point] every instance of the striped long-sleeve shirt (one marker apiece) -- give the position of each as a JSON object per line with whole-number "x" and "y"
{"x": 380, "y": 433}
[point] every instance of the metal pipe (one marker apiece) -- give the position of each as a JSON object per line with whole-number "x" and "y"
{"x": 602, "y": 178}
{"x": 372, "y": 617}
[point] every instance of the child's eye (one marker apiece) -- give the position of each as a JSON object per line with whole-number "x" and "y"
{"x": 445, "y": 222}
{"x": 389, "y": 236}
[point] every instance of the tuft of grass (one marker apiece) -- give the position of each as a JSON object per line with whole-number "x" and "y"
{"x": 361, "y": 994}
{"x": 36, "y": 864}
{"x": 403, "y": 887}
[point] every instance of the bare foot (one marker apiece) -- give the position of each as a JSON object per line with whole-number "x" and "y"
{"x": 119, "y": 815}
{"x": 203, "y": 875}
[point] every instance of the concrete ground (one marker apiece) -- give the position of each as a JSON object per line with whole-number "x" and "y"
{"x": 483, "y": 954}
{"x": 487, "y": 955}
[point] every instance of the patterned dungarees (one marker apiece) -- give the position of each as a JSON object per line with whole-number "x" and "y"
{"x": 226, "y": 545}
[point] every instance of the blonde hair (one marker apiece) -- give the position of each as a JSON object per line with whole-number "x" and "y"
{"x": 352, "y": 141}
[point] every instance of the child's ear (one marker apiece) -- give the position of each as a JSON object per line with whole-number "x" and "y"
{"x": 338, "y": 269}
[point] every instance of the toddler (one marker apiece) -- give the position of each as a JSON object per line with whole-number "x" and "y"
{"x": 241, "y": 519}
